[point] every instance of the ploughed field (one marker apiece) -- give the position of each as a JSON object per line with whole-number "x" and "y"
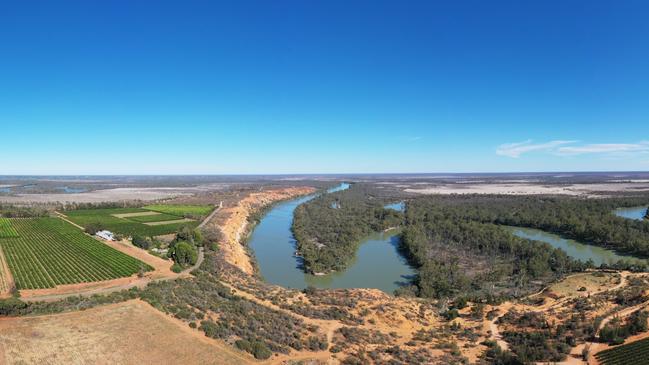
{"x": 47, "y": 252}
{"x": 151, "y": 220}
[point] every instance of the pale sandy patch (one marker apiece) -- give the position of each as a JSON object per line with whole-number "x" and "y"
{"x": 530, "y": 189}
{"x": 98, "y": 196}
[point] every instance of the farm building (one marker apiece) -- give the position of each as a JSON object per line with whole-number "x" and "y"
{"x": 107, "y": 235}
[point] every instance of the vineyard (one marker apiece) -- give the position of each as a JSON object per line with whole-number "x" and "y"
{"x": 6, "y": 229}
{"x": 49, "y": 251}
{"x": 634, "y": 353}
{"x": 129, "y": 225}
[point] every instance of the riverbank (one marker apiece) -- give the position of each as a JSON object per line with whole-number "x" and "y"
{"x": 233, "y": 220}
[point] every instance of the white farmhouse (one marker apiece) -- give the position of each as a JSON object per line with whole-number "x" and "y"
{"x": 107, "y": 235}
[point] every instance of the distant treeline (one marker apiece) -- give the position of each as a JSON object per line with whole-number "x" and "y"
{"x": 329, "y": 228}
{"x": 105, "y": 205}
{"x": 12, "y": 211}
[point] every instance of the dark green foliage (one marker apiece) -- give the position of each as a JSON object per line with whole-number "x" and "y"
{"x": 496, "y": 356}
{"x": 260, "y": 351}
{"x": 94, "y": 227}
{"x": 15, "y": 307}
{"x": 451, "y": 314}
{"x": 12, "y": 211}
{"x": 586, "y": 220}
{"x": 190, "y": 235}
{"x": 11, "y": 306}
{"x": 141, "y": 242}
{"x": 183, "y": 253}
{"x": 243, "y": 345}
{"x": 455, "y": 254}
{"x": 459, "y": 244}
{"x": 536, "y": 339}
{"x": 615, "y": 333}
{"x": 329, "y": 228}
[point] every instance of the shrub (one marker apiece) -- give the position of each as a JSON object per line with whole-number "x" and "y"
{"x": 141, "y": 242}
{"x": 11, "y": 306}
{"x": 183, "y": 253}
{"x": 260, "y": 350}
{"x": 244, "y": 345}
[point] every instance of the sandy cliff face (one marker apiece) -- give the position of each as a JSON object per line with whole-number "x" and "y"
{"x": 233, "y": 220}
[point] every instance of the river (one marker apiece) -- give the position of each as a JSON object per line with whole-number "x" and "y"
{"x": 583, "y": 251}
{"x": 377, "y": 264}
{"x": 574, "y": 249}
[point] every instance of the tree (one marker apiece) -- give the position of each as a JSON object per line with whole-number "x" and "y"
{"x": 190, "y": 235}
{"x": 92, "y": 228}
{"x": 183, "y": 253}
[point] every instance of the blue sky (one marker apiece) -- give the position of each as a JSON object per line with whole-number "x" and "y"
{"x": 187, "y": 87}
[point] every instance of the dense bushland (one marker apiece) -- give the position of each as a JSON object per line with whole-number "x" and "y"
{"x": 588, "y": 220}
{"x": 456, "y": 255}
{"x": 460, "y": 247}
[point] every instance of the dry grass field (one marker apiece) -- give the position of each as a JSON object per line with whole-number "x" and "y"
{"x": 132, "y": 332}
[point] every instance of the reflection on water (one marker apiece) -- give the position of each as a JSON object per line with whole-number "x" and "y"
{"x": 377, "y": 263}
{"x": 399, "y": 206}
{"x": 575, "y": 249}
{"x": 69, "y": 190}
{"x": 637, "y": 213}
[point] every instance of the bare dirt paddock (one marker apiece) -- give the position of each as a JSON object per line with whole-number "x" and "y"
{"x": 132, "y": 332}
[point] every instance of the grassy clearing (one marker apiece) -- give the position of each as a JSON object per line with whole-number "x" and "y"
{"x": 50, "y": 252}
{"x": 158, "y": 217}
{"x": 588, "y": 282}
{"x": 6, "y": 229}
{"x": 633, "y": 353}
{"x": 127, "y": 226}
{"x": 182, "y": 210}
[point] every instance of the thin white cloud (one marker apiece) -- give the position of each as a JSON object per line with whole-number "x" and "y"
{"x": 515, "y": 150}
{"x": 570, "y": 148}
{"x": 606, "y": 148}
